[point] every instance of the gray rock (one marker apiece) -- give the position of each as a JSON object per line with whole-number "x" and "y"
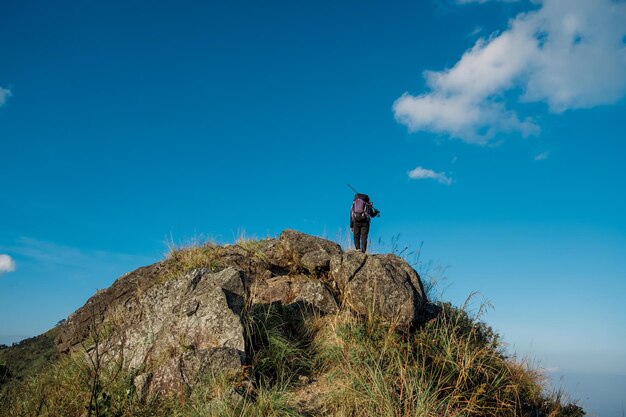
{"x": 382, "y": 285}
{"x": 294, "y": 290}
{"x": 142, "y": 384}
{"x": 310, "y": 252}
{"x": 317, "y": 260}
{"x": 123, "y": 292}
{"x": 344, "y": 267}
{"x": 195, "y": 364}
{"x": 174, "y": 330}
{"x": 311, "y": 292}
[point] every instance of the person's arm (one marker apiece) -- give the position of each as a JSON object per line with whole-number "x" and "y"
{"x": 373, "y": 212}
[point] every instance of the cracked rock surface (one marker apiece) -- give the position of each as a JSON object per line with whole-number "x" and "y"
{"x": 383, "y": 285}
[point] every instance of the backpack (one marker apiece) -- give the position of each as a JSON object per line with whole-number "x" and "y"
{"x": 361, "y": 208}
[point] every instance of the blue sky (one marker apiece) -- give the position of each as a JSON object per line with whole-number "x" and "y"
{"x": 491, "y": 131}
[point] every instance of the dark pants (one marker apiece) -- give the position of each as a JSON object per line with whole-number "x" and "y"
{"x": 360, "y": 231}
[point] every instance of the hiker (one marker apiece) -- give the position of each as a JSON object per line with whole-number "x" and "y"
{"x": 360, "y": 215}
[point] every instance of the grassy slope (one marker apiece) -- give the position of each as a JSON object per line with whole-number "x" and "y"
{"x": 339, "y": 365}
{"x": 28, "y": 357}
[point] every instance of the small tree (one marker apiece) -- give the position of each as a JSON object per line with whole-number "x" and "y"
{"x": 104, "y": 353}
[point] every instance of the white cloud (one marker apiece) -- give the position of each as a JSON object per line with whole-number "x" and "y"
{"x": 569, "y": 53}
{"x": 460, "y": 116}
{"x": 7, "y": 264}
{"x": 542, "y": 156}
{"x": 4, "y": 94}
{"x": 420, "y": 173}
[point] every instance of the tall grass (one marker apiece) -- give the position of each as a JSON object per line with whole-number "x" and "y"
{"x": 453, "y": 366}
{"x": 62, "y": 392}
{"x": 278, "y": 344}
{"x": 217, "y": 395}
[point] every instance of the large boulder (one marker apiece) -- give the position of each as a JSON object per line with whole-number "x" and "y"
{"x": 172, "y": 331}
{"x": 192, "y": 324}
{"x": 381, "y": 285}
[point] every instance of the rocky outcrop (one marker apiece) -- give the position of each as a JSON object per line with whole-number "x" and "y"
{"x": 382, "y": 285}
{"x": 172, "y": 326}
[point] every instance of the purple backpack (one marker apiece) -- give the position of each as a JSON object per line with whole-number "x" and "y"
{"x": 361, "y": 208}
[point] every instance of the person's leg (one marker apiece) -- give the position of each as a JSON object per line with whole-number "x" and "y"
{"x": 357, "y": 236}
{"x": 365, "y": 229}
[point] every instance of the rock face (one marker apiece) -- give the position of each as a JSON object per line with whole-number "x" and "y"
{"x": 186, "y": 324}
{"x": 289, "y": 290}
{"x": 171, "y": 330}
{"x": 169, "y": 327}
{"x": 383, "y": 285}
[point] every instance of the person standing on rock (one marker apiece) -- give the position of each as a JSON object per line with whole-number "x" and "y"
{"x": 361, "y": 213}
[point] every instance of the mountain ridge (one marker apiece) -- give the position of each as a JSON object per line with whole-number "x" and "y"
{"x": 258, "y": 313}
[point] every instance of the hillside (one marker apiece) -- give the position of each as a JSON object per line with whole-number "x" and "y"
{"x": 27, "y": 358}
{"x": 292, "y": 326}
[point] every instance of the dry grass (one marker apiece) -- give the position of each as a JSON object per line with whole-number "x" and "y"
{"x": 454, "y": 366}
{"x": 192, "y": 255}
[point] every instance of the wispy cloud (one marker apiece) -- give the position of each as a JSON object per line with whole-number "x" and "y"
{"x": 569, "y": 54}
{"x": 49, "y": 253}
{"x": 542, "y": 156}
{"x": 477, "y": 30}
{"x": 4, "y": 94}
{"x": 56, "y": 254}
{"x": 7, "y": 264}
{"x": 420, "y": 173}
{"x": 39, "y": 255}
